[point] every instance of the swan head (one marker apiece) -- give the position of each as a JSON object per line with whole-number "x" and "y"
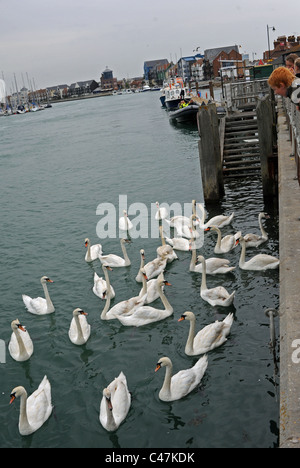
{"x": 142, "y": 252}
{"x": 127, "y": 241}
{"x": 46, "y": 279}
{"x": 143, "y": 271}
{"x": 15, "y": 325}
{"x": 161, "y": 280}
{"x": 240, "y": 240}
{"x": 212, "y": 228}
{"x": 163, "y": 362}
{"x": 264, "y": 215}
{"x": 78, "y": 311}
{"x": 107, "y": 396}
{"x": 187, "y": 316}
{"x": 106, "y": 267}
{"x": 16, "y": 393}
{"x": 86, "y": 242}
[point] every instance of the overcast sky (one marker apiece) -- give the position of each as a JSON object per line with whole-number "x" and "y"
{"x": 55, "y": 42}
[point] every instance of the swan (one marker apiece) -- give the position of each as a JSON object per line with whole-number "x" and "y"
{"x": 214, "y": 265}
{"x": 260, "y": 262}
{"x": 93, "y": 251}
{"x": 254, "y": 240}
{"x": 39, "y": 305}
{"x": 115, "y": 403}
{"x": 143, "y": 314}
{"x": 225, "y": 244}
{"x": 34, "y": 410}
{"x": 124, "y": 222}
{"x": 179, "y": 243}
{"x": 155, "y": 267}
{"x": 180, "y": 220}
{"x": 218, "y": 221}
{"x": 124, "y": 307}
{"x": 100, "y": 284}
{"x": 80, "y": 330}
{"x": 215, "y": 296}
{"x": 165, "y": 250}
{"x": 188, "y": 231}
{"x": 162, "y": 212}
{"x": 179, "y": 385}
{"x": 20, "y": 345}
{"x": 210, "y": 337}
{"x": 115, "y": 261}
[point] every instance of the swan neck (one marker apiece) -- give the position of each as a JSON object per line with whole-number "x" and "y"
{"x": 219, "y": 238}
{"x": 47, "y": 296}
{"x": 190, "y": 340}
{"x": 89, "y": 251}
{"x": 126, "y": 258}
{"x": 144, "y": 289}
{"x": 164, "y": 300}
{"x": 22, "y": 349}
{"x": 243, "y": 254}
{"x": 163, "y": 242}
{"x": 79, "y": 329}
{"x": 106, "y": 307}
{"x": 193, "y": 260}
{"x": 111, "y": 423}
{"x": 166, "y": 388}
{"x": 262, "y": 230}
{"x": 203, "y": 283}
{"x": 23, "y": 420}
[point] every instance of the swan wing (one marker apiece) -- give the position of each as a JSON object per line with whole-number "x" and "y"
{"x": 144, "y": 315}
{"x": 39, "y": 405}
{"x": 210, "y": 336}
{"x": 112, "y": 260}
{"x": 262, "y": 262}
{"x": 36, "y": 306}
{"x": 187, "y": 380}
{"x": 120, "y": 398}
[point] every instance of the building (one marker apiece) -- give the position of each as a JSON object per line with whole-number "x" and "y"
{"x": 283, "y": 45}
{"x": 220, "y": 58}
{"x": 197, "y": 70}
{"x": 82, "y": 87}
{"x": 58, "y": 92}
{"x": 107, "y": 80}
{"x": 150, "y": 68}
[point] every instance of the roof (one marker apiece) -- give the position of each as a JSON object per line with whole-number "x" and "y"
{"x": 63, "y": 86}
{"x": 153, "y": 63}
{"x": 211, "y": 54}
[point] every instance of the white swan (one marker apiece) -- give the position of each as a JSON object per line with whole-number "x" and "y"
{"x": 39, "y": 305}
{"x": 115, "y": 403}
{"x": 93, "y": 251}
{"x": 180, "y": 220}
{"x": 115, "y": 261}
{"x": 179, "y": 243}
{"x": 162, "y": 212}
{"x": 260, "y": 262}
{"x": 20, "y": 346}
{"x": 218, "y": 221}
{"x": 80, "y": 330}
{"x": 225, "y": 244}
{"x": 124, "y": 222}
{"x": 155, "y": 267}
{"x": 215, "y": 296}
{"x": 188, "y": 231}
{"x": 143, "y": 314}
{"x": 124, "y": 307}
{"x": 254, "y": 240}
{"x": 179, "y": 385}
{"x": 35, "y": 410}
{"x": 207, "y": 339}
{"x": 100, "y": 284}
{"x": 214, "y": 265}
{"x": 165, "y": 250}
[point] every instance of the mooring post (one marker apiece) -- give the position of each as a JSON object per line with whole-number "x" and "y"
{"x": 210, "y": 153}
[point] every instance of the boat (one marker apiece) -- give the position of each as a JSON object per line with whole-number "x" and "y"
{"x": 175, "y": 92}
{"x": 185, "y": 114}
{"x": 146, "y": 88}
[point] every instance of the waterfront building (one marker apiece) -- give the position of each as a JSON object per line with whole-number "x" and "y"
{"x": 107, "y": 80}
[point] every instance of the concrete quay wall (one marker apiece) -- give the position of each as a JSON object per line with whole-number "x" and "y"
{"x": 289, "y": 313}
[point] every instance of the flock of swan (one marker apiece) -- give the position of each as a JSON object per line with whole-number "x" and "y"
{"x": 136, "y": 311}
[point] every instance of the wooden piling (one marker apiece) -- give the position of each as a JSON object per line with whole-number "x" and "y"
{"x": 268, "y": 158}
{"x": 210, "y": 153}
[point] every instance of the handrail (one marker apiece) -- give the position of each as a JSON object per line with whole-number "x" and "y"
{"x": 293, "y": 116}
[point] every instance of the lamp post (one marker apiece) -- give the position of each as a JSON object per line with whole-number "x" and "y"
{"x": 273, "y": 29}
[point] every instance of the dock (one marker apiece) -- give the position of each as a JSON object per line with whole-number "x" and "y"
{"x": 289, "y": 313}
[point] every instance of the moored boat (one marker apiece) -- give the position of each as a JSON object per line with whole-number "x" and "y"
{"x": 185, "y": 114}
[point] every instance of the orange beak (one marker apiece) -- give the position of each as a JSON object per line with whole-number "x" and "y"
{"x": 157, "y": 367}
{"x": 12, "y": 399}
{"x": 20, "y": 327}
{"x": 181, "y": 319}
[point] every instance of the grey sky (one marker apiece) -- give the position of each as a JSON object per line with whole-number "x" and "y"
{"x": 64, "y": 41}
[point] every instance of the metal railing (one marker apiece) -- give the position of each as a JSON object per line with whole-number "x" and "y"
{"x": 293, "y": 116}
{"x": 244, "y": 93}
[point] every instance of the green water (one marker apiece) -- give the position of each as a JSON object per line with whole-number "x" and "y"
{"x": 56, "y": 167}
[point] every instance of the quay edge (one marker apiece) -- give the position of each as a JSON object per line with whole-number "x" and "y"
{"x": 289, "y": 314}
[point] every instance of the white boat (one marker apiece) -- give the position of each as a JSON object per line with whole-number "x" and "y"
{"x": 146, "y": 88}
{"x": 174, "y": 92}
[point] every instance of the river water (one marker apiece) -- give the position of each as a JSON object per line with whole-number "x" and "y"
{"x": 58, "y": 168}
